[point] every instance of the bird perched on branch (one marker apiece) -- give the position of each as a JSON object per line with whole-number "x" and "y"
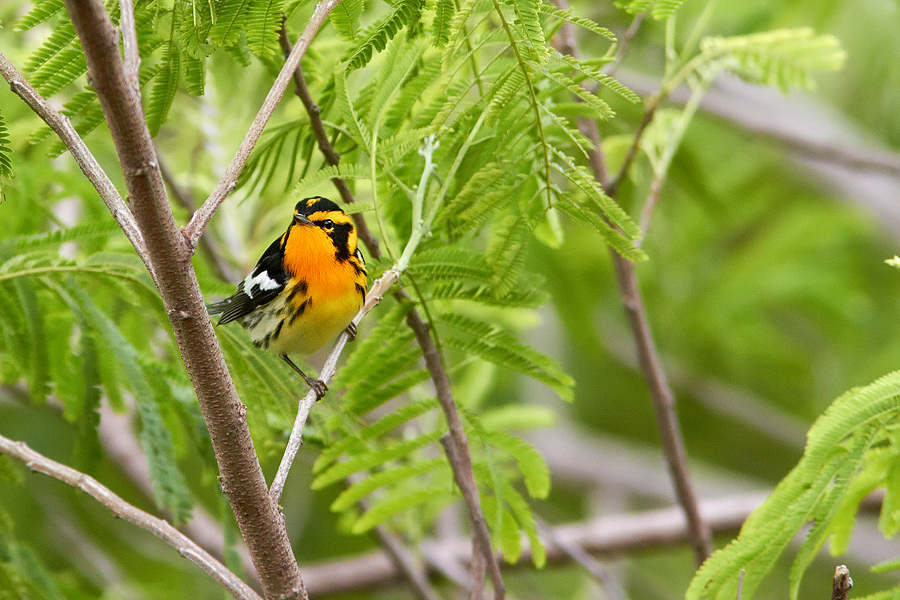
{"x": 306, "y": 287}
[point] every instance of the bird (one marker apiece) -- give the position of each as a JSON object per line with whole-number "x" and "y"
{"x": 306, "y": 287}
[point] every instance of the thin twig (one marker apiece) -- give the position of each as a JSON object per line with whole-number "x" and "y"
{"x": 194, "y": 229}
{"x": 740, "y": 590}
{"x": 187, "y": 548}
{"x": 660, "y": 391}
{"x": 327, "y": 149}
{"x": 207, "y": 243}
{"x": 841, "y": 584}
{"x": 625, "y": 44}
{"x": 412, "y": 569}
{"x": 87, "y": 163}
{"x": 241, "y": 476}
{"x": 415, "y": 321}
{"x": 581, "y": 557}
{"x": 379, "y": 288}
{"x": 130, "y": 44}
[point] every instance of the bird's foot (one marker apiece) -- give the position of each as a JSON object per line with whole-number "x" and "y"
{"x": 318, "y": 386}
{"x": 351, "y": 332}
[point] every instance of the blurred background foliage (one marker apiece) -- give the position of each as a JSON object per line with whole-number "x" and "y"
{"x": 766, "y": 289}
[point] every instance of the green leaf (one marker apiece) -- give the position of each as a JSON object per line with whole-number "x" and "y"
{"x": 344, "y": 469}
{"x": 532, "y": 465}
{"x": 5, "y": 153}
{"x": 169, "y": 488}
{"x": 395, "y": 503}
{"x": 406, "y": 14}
{"x": 42, "y": 11}
{"x": 344, "y": 170}
{"x": 837, "y": 448}
{"x": 566, "y": 15}
{"x": 443, "y": 15}
{"x": 784, "y": 58}
{"x": 501, "y": 348}
{"x": 345, "y": 19}
{"x": 386, "y": 478}
{"x": 393, "y": 420}
{"x": 263, "y": 24}
{"x": 230, "y": 15}
{"x": 164, "y": 87}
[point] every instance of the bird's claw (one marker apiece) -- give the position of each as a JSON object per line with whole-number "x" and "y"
{"x": 351, "y": 332}
{"x": 319, "y": 387}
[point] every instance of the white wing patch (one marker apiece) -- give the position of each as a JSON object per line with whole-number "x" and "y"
{"x": 261, "y": 281}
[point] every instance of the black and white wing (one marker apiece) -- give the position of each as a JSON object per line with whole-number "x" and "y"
{"x": 260, "y": 287}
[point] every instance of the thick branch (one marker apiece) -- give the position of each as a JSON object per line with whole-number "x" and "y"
{"x": 464, "y": 476}
{"x": 158, "y": 527}
{"x": 241, "y": 477}
{"x": 194, "y": 229}
{"x": 660, "y": 392}
{"x": 89, "y": 166}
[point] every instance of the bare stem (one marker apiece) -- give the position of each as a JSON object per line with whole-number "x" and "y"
{"x": 414, "y": 320}
{"x": 89, "y": 166}
{"x": 379, "y": 288}
{"x": 194, "y": 229}
{"x": 130, "y": 44}
{"x": 185, "y": 546}
{"x": 841, "y": 584}
{"x": 660, "y": 391}
{"x": 241, "y": 476}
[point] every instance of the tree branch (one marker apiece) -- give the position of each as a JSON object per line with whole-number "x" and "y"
{"x": 379, "y": 288}
{"x": 841, "y": 584}
{"x": 207, "y": 243}
{"x": 604, "y": 536}
{"x": 187, "y": 548}
{"x": 130, "y": 45}
{"x": 241, "y": 476}
{"x": 61, "y": 125}
{"x": 194, "y": 229}
{"x": 331, "y": 156}
{"x": 660, "y": 392}
{"x": 435, "y": 366}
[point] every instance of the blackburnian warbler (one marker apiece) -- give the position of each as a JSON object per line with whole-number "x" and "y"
{"x": 306, "y": 287}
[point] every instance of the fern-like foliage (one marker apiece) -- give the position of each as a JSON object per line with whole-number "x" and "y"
{"x": 784, "y": 58}
{"x": 49, "y": 310}
{"x": 659, "y": 9}
{"x": 406, "y": 14}
{"x": 851, "y": 450}
{"x": 6, "y": 170}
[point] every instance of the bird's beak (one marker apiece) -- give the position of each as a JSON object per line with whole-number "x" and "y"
{"x": 302, "y": 219}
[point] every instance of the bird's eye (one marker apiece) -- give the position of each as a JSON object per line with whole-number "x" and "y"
{"x": 328, "y": 224}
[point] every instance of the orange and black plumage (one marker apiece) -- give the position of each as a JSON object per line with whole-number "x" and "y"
{"x": 306, "y": 287}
